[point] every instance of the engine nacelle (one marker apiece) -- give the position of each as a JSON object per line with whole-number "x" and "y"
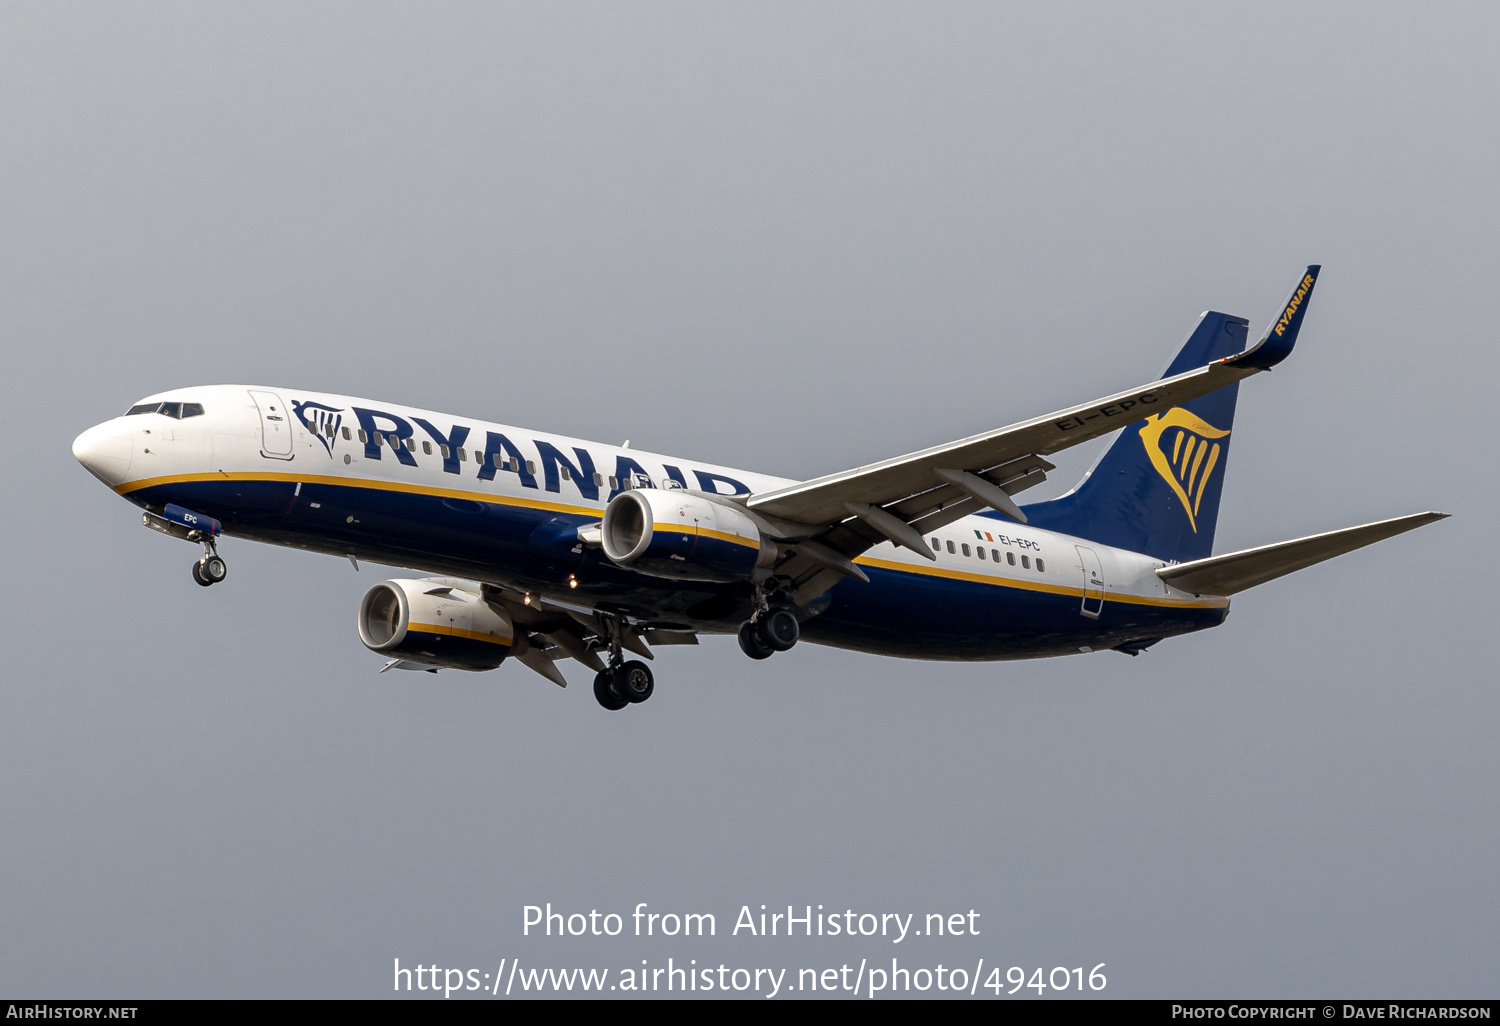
{"x": 438, "y": 621}
{"x": 677, "y": 534}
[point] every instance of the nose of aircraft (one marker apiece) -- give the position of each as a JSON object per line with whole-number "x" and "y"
{"x": 104, "y": 451}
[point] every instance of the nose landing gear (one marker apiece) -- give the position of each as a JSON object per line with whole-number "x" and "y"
{"x": 192, "y": 527}
{"x": 210, "y": 569}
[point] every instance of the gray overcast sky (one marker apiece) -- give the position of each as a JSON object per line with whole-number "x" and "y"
{"x": 792, "y": 238}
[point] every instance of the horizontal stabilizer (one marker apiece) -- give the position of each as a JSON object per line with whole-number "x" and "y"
{"x": 1237, "y": 571}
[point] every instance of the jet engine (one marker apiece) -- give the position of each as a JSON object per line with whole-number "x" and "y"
{"x": 438, "y": 621}
{"x": 681, "y": 535}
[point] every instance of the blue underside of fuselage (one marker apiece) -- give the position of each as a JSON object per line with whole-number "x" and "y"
{"x": 910, "y": 614}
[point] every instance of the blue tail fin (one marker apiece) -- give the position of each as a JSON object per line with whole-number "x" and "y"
{"x": 1156, "y": 489}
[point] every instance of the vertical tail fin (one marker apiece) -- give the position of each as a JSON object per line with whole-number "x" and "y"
{"x": 1156, "y": 488}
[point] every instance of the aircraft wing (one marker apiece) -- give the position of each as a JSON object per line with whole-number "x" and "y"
{"x": 840, "y": 516}
{"x": 963, "y": 468}
{"x": 824, "y": 500}
{"x": 1234, "y": 572}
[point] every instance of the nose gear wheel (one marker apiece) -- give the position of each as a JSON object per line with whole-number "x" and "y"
{"x": 210, "y": 569}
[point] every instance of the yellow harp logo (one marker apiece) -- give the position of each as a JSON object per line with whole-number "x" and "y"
{"x": 1184, "y": 452}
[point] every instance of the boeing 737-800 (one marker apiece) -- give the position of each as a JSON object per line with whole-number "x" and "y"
{"x": 545, "y": 548}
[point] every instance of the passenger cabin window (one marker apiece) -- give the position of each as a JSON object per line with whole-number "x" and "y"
{"x": 531, "y": 467}
{"x": 567, "y": 475}
{"x": 364, "y": 437}
{"x": 598, "y": 479}
{"x": 463, "y": 455}
{"x": 427, "y": 448}
{"x": 937, "y": 546}
{"x": 1010, "y": 557}
{"x": 950, "y": 547}
{"x": 346, "y": 434}
{"x": 444, "y": 450}
{"x": 966, "y": 548}
{"x": 1041, "y": 567}
{"x": 979, "y": 551}
{"x": 1026, "y": 562}
{"x": 995, "y": 555}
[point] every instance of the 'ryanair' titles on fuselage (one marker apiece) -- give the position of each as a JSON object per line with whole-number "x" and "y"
{"x": 382, "y": 431}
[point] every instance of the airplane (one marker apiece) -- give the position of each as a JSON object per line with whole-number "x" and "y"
{"x": 543, "y": 548}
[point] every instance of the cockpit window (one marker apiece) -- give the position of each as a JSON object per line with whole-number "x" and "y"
{"x": 177, "y": 411}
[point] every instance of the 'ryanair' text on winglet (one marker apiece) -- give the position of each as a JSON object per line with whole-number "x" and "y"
{"x": 1276, "y": 344}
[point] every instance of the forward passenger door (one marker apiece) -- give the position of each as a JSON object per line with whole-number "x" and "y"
{"x": 275, "y": 425}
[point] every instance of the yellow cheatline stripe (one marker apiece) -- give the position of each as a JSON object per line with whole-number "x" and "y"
{"x": 459, "y": 632}
{"x": 362, "y": 482}
{"x": 1041, "y": 586}
{"x": 704, "y": 532}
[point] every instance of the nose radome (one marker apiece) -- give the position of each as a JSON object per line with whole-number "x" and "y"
{"x": 104, "y": 451}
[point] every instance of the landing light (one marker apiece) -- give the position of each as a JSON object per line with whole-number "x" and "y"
{"x": 572, "y": 582}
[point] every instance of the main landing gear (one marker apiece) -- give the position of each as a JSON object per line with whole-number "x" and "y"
{"x": 627, "y": 684}
{"x": 772, "y": 632}
{"x": 622, "y": 682}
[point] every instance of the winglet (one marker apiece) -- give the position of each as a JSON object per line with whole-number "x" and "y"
{"x": 1276, "y": 344}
